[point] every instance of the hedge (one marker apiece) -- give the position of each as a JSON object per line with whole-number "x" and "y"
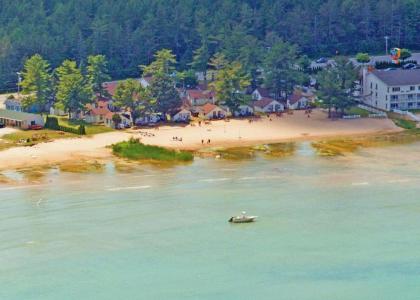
{"x": 52, "y": 123}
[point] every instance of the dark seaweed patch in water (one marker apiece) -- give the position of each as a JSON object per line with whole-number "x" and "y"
{"x": 278, "y": 150}
{"x": 336, "y": 147}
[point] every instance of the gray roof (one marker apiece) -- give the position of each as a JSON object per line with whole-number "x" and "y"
{"x": 399, "y": 77}
{"x": 17, "y": 115}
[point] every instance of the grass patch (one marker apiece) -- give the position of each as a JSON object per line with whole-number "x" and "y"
{"x": 135, "y": 150}
{"x": 357, "y": 111}
{"x": 406, "y": 124}
{"x": 31, "y": 137}
{"x": 91, "y": 129}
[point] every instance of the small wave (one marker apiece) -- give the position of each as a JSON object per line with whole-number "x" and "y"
{"x": 261, "y": 177}
{"x": 398, "y": 180}
{"x": 12, "y": 188}
{"x": 214, "y": 179}
{"x": 249, "y": 178}
{"x": 360, "y": 183}
{"x": 140, "y": 187}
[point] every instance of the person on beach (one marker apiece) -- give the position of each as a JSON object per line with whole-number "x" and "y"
{"x": 202, "y": 142}
{"x": 208, "y": 141}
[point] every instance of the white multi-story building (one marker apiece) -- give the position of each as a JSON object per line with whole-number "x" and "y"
{"x": 391, "y": 89}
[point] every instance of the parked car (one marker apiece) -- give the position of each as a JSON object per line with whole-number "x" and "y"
{"x": 409, "y": 66}
{"x": 322, "y": 60}
{"x": 390, "y": 69}
{"x": 35, "y": 127}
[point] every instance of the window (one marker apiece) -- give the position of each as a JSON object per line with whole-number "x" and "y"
{"x": 410, "y": 104}
{"x": 371, "y": 85}
{"x": 394, "y": 105}
{"x": 412, "y": 88}
{"x": 410, "y": 97}
{"x": 386, "y": 97}
{"x": 376, "y": 86}
{"x": 394, "y": 97}
{"x": 396, "y": 89}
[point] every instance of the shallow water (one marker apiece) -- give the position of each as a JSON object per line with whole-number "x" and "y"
{"x": 329, "y": 228}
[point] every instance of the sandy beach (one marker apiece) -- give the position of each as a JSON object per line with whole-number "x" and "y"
{"x": 220, "y": 133}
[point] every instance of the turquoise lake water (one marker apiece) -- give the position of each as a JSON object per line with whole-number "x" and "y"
{"x": 329, "y": 228}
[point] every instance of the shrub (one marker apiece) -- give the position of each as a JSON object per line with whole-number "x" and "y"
{"x": 362, "y": 58}
{"x": 52, "y": 123}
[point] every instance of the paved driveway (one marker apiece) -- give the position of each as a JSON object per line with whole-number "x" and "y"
{"x": 7, "y": 130}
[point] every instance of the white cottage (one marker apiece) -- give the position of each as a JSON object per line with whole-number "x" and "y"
{"x": 268, "y": 105}
{"x": 244, "y": 110}
{"x": 211, "y": 111}
{"x": 181, "y": 116}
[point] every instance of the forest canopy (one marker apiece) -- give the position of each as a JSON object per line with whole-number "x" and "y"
{"x": 129, "y": 32}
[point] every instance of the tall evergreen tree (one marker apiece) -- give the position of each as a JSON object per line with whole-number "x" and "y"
{"x": 73, "y": 92}
{"x": 230, "y": 84}
{"x": 97, "y": 73}
{"x": 162, "y": 87}
{"x": 36, "y": 83}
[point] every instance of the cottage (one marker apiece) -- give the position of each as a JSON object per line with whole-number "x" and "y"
{"x": 268, "y": 105}
{"x": 20, "y": 119}
{"x": 13, "y": 104}
{"x": 260, "y": 93}
{"x": 98, "y": 113}
{"x": 212, "y": 111}
{"x": 180, "y": 115}
{"x": 244, "y": 111}
{"x": 146, "y": 81}
{"x": 198, "y": 97}
{"x": 298, "y": 101}
{"x": 149, "y": 119}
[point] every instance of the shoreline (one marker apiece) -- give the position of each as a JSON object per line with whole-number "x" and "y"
{"x": 236, "y": 133}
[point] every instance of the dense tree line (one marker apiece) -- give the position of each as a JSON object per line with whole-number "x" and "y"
{"x": 129, "y": 32}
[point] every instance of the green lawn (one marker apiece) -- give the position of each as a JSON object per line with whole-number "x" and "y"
{"x": 357, "y": 111}
{"x": 90, "y": 128}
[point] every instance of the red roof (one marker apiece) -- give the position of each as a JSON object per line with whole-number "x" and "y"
{"x": 207, "y": 108}
{"x": 199, "y": 94}
{"x": 111, "y": 86}
{"x": 295, "y": 97}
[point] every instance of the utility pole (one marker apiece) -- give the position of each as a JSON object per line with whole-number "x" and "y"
{"x": 386, "y": 44}
{"x": 19, "y": 82}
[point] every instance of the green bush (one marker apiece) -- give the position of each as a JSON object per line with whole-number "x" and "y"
{"x": 362, "y": 57}
{"x": 52, "y": 123}
{"x": 135, "y": 150}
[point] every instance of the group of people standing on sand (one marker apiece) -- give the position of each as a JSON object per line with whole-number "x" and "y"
{"x": 175, "y": 138}
{"x": 208, "y": 141}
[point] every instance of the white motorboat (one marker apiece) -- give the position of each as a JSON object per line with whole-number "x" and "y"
{"x": 243, "y": 218}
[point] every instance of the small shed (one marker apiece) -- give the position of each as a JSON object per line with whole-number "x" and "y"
{"x": 20, "y": 119}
